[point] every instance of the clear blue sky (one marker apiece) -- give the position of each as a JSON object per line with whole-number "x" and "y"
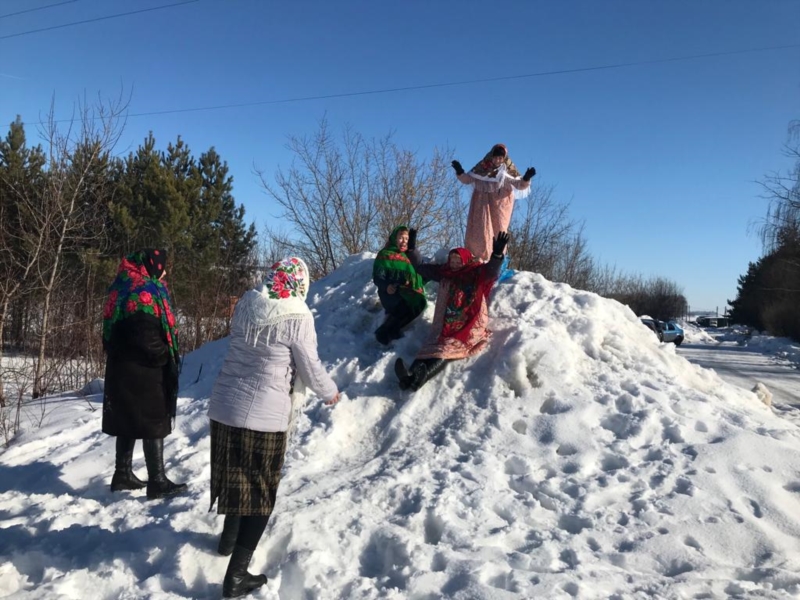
{"x": 660, "y": 160}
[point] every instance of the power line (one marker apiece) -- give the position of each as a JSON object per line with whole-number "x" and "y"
{"x": 115, "y": 16}
{"x": 22, "y": 12}
{"x": 457, "y": 83}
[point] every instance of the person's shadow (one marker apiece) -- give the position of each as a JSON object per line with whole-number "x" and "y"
{"x": 33, "y": 547}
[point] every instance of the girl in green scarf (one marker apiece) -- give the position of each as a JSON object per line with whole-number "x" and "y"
{"x": 399, "y": 286}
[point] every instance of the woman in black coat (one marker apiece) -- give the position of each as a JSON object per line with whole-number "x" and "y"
{"x": 141, "y": 382}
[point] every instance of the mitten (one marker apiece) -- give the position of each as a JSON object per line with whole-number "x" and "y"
{"x": 457, "y": 166}
{"x": 529, "y": 173}
{"x": 500, "y": 243}
{"x": 412, "y": 239}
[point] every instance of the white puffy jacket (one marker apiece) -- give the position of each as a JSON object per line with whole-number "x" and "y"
{"x": 252, "y": 389}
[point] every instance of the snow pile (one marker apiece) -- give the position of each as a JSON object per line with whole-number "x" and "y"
{"x": 692, "y": 334}
{"x": 576, "y": 457}
{"x": 783, "y": 349}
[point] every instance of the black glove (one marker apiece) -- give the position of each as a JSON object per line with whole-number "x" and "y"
{"x": 500, "y": 243}
{"x": 457, "y": 166}
{"x": 412, "y": 239}
{"x": 529, "y": 174}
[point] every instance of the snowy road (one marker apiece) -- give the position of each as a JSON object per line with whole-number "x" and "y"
{"x": 744, "y": 367}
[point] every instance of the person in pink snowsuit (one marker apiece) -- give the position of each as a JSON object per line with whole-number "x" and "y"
{"x": 495, "y": 180}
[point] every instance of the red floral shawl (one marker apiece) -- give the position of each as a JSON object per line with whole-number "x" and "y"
{"x": 469, "y": 288}
{"x": 137, "y": 288}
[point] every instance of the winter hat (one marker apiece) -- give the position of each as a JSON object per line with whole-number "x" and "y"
{"x": 499, "y": 150}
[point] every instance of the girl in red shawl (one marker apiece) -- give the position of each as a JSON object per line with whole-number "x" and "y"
{"x": 495, "y": 180}
{"x": 460, "y": 320}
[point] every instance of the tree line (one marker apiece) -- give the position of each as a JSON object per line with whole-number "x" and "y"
{"x": 70, "y": 207}
{"x": 768, "y": 294}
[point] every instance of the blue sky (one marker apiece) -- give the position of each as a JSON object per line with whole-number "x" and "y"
{"x": 661, "y": 160}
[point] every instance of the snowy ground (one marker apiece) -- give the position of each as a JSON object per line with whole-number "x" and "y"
{"x": 576, "y": 458}
{"x": 745, "y": 360}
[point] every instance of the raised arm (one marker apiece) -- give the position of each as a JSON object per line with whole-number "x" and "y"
{"x": 492, "y": 268}
{"x": 525, "y": 181}
{"x": 460, "y": 174}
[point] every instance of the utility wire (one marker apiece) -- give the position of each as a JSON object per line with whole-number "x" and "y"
{"x": 134, "y": 12}
{"x": 457, "y": 83}
{"x": 22, "y": 12}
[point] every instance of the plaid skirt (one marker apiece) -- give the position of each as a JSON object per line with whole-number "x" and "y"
{"x": 245, "y": 470}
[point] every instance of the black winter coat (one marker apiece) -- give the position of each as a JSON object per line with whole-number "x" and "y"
{"x": 141, "y": 385}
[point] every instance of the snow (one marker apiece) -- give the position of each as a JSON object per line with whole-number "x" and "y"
{"x": 577, "y": 457}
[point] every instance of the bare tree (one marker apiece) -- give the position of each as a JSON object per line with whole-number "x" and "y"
{"x": 782, "y": 190}
{"x": 75, "y": 152}
{"x": 545, "y": 239}
{"x": 343, "y": 197}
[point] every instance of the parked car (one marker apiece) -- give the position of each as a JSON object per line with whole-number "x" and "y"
{"x": 672, "y": 332}
{"x": 668, "y": 331}
{"x": 655, "y": 326}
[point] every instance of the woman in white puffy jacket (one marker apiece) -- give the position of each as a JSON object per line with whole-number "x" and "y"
{"x": 271, "y": 359}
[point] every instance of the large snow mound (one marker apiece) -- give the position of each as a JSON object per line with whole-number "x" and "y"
{"x": 576, "y": 457}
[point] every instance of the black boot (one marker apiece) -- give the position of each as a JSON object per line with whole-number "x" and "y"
{"x": 382, "y": 335}
{"x": 403, "y": 376}
{"x": 419, "y": 373}
{"x": 403, "y": 320}
{"x": 124, "y": 478}
{"x": 238, "y": 582}
{"x": 387, "y": 332}
{"x": 424, "y": 370}
{"x": 158, "y": 486}
{"x": 230, "y": 530}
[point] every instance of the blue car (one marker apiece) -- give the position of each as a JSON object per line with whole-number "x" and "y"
{"x": 667, "y": 331}
{"x": 672, "y": 333}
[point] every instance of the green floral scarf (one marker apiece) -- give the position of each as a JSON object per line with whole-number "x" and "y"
{"x": 393, "y": 266}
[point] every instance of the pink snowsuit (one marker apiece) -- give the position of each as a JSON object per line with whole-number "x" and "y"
{"x": 489, "y": 211}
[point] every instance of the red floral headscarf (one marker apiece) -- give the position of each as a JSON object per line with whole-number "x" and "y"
{"x": 137, "y": 288}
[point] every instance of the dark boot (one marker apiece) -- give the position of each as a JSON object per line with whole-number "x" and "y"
{"x": 382, "y": 335}
{"x": 229, "y": 532}
{"x": 403, "y": 321}
{"x": 238, "y": 582}
{"x": 418, "y": 372}
{"x": 403, "y": 376}
{"x": 386, "y": 332}
{"x": 158, "y": 486}
{"x": 124, "y": 478}
{"x": 424, "y": 370}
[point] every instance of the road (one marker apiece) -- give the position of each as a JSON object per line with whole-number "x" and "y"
{"x": 744, "y": 367}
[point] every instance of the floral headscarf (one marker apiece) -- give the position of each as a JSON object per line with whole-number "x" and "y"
{"x": 288, "y": 278}
{"x": 137, "y": 288}
{"x": 393, "y": 266}
{"x": 468, "y": 288}
{"x": 486, "y": 168}
{"x": 281, "y": 297}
